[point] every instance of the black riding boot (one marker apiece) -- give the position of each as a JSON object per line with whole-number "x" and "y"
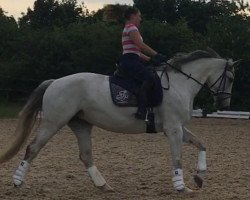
{"x": 143, "y": 100}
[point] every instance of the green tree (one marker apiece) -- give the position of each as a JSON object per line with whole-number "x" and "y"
{"x": 160, "y": 10}
{"x": 170, "y": 39}
{"x": 48, "y": 13}
{"x": 8, "y": 32}
{"x": 230, "y": 35}
{"x": 197, "y": 13}
{"x": 8, "y": 38}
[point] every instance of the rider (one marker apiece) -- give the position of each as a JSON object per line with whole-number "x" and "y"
{"x": 135, "y": 54}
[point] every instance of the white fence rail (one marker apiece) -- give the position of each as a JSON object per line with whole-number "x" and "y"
{"x": 223, "y": 114}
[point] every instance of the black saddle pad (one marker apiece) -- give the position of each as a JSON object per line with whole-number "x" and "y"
{"x": 124, "y": 90}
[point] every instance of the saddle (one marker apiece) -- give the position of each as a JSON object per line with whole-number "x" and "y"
{"x": 124, "y": 91}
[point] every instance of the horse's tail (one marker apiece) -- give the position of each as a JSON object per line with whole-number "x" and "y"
{"x": 27, "y": 119}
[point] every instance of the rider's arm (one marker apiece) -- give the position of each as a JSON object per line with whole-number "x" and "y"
{"x": 144, "y": 57}
{"x": 136, "y": 37}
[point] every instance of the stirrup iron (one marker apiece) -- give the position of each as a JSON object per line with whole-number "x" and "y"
{"x": 146, "y": 118}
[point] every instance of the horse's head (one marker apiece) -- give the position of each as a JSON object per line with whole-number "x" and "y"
{"x": 221, "y": 83}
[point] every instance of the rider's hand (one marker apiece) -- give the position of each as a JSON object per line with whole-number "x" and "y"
{"x": 158, "y": 59}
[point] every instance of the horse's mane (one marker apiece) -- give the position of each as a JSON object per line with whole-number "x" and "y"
{"x": 182, "y": 58}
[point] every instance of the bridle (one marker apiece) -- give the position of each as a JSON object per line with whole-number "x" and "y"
{"x": 222, "y": 84}
{"x": 220, "y": 90}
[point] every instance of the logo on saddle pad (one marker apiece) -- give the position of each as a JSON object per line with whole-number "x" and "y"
{"x": 122, "y": 96}
{"x": 123, "y": 92}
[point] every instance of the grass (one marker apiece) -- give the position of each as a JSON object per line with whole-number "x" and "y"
{"x": 9, "y": 110}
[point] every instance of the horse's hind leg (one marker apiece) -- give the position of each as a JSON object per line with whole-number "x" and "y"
{"x": 46, "y": 131}
{"x": 189, "y": 137}
{"x": 82, "y": 131}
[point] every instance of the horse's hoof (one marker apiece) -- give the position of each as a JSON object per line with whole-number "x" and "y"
{"x": 106, "y": 188}
{"x": 198, "y": 180}
{"x": 17, "y": 183}
{"x": 186, "y": 190}
{"x": 16, "y": 186}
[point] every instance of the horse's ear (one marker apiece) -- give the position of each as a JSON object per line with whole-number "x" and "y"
{"x": 237, "y": 62}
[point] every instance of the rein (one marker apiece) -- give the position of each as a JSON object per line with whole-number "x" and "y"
{"x": 222, "y": 79}
{"x": 185, "y": 74}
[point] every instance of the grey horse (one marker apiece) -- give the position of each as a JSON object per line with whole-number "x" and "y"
{"x": 83, "y": 100}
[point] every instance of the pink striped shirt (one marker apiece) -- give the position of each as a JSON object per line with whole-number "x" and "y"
{"x": 127, "y": 44}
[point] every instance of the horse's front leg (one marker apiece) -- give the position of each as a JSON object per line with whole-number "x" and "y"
{"x": 189, "y": 137}
{"x": 175, "y": 136}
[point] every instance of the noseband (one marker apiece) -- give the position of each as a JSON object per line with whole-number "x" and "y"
{"x": 222, "y": 85}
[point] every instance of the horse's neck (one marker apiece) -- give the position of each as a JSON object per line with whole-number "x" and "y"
{"x": 198, "y": 70}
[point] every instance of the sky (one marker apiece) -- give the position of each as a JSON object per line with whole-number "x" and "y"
{"x": 16, "y": 7}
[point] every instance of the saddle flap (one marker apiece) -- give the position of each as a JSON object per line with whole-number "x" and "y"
{"x": 122, "y": 97}
{"x": 124, "y": 91}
